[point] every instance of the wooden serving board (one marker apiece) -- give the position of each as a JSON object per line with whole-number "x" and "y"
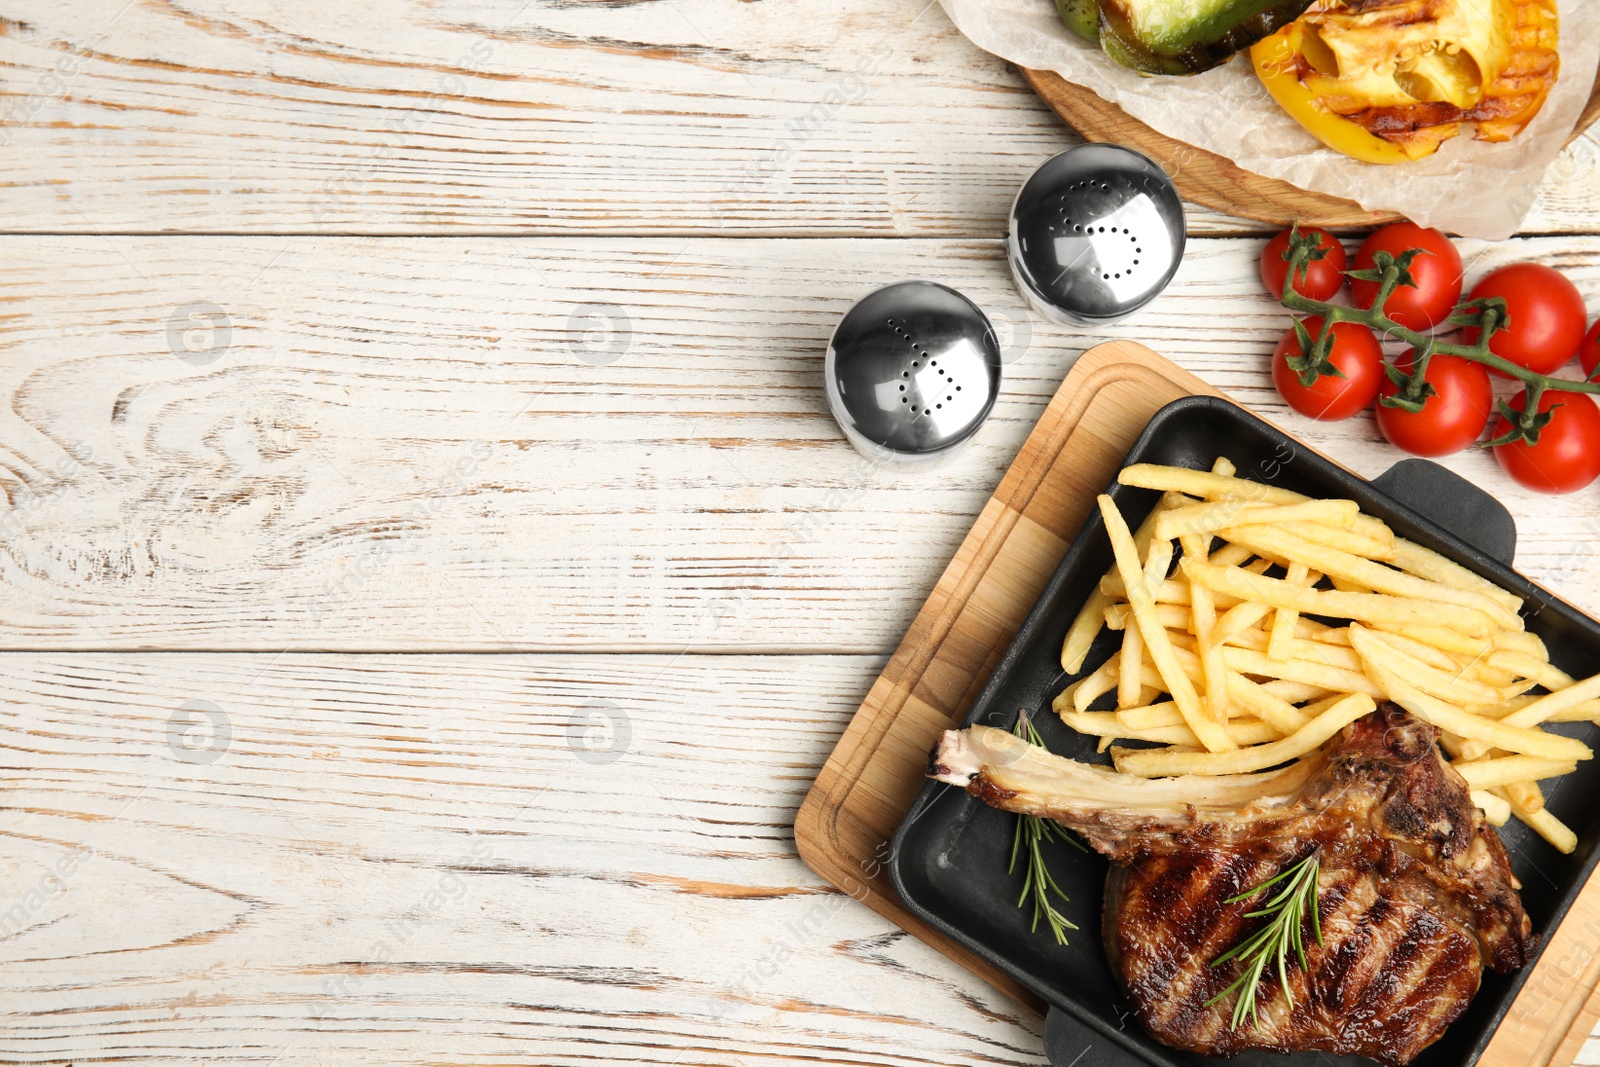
{"x": 1210, "y": 179}
{"x": 844, "y": 828}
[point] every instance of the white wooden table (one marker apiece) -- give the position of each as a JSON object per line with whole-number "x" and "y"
{"x": 431, "y": 578}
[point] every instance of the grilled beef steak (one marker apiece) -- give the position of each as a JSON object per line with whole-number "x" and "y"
{"x": 1416, "y": 894}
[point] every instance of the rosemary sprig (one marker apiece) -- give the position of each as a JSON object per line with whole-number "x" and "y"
{"x": 1286, "y": 912}
{"x": 1032, "y": 834}
{"x": 1391, "y": 272}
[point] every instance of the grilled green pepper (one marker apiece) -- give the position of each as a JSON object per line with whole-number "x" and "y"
{"x": 1082, "y": 17}
{"x": 1187, "y": 36}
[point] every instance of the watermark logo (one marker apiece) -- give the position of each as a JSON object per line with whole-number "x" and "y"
{"x": 1013, "y": 331}
{"x": 199, "y": 732}
{"x": 199, "y": 333}
{"x": 599, "y": 732}
{"x": 599, "y": 334}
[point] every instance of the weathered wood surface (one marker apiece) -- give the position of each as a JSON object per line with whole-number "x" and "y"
{"x": 408, "y": 444}
{"x": 665, "y": 116}
{"x": 550, "y": 859}
{"x": 362, "y": 445}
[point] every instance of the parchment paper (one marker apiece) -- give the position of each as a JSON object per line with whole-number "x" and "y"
{"x": 1468, "y": 187}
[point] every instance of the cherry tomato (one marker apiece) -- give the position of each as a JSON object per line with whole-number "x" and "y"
{"x": 1451, "y": 419}
{"x": 1437, "y": 273}
{"x": 1589, "y": 352}
{"x": 1546, "y": 316}
{"x": 1323, "y": 277}
{"x": 1355, "y": 353}
{"x": 1567, "y": 457}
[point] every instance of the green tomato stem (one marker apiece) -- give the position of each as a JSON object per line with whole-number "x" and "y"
{"x": 1419, "y": 371}
{"x": 1375, "y": 319}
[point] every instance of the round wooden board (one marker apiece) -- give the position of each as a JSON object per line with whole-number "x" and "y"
{"x": 1209, "y": 179}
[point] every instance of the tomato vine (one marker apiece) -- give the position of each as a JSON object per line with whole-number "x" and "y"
{"x": 1390, "y": 272}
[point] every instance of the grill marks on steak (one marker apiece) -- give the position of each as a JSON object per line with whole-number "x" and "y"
{"x": 1416, "y": 894}
{"x": 1395, "y": 968}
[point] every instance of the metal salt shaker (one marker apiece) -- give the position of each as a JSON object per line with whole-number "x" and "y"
{"x": 1096, "y": 233}
{"x": 912, "y": 371}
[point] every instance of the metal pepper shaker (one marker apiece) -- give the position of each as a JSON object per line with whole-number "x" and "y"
{"x": 912, "y": 372}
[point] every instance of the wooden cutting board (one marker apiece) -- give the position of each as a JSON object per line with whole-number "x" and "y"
{"x": 844, "y": 827}
{"x": 1210, "y": 179}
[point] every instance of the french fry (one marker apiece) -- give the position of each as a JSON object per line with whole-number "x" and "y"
{"x": 1543, "y": 823}
{"x": 1128, "y": 672}
{"x": 1541, "y": 709}
{"x": 1173, "y": 616}
{"x": 1500, "y": 678}
{"x": 1157, "y": 763}
{"x": 1239, "y": 618}
{"x": 1150, "y": 716}
{"x": 1084, "y": 629}
{"x": 1086, "y": 626}
{"x": 1341, "y": 656}
{"x": 1418, "y": 650}
{"x": 1204, "y": 484}
{"x": 1525, "y": 796}
{"x": 1249, "y": 661}
{"x": 1106, "y": 724}
{"x": 1347, "y": 567}
{"x": 1159, "y": 648}
{"x": 1379, "y": 607}
{"x": 1219, "y": 514}
{"x": 1219, "y": 487}
{"x": 1165, "y": 713}
{"x": 1358, "y": 542}
{"x": 1203, "y": 617}
{"x": 1383, "y": 667}
{"x": 1095, "y": 685}
{"x": 1317, "y": 707}
{"x": 1441, "y": 637}
{"x": 1521, "y": 641}
{"x": 1283, "y": 619}
{"x": 1157, "y": 561}
{"x": 1334, "y": 635}
{"x": 1504, "y": 708}
{"x": 1588, "y": 711}
{"x": 1540, "y": 670}
{"x": 1426, "y": 563}
{"x": 1445, "y": 684}
{"x": 1295, "y": 692}
{"x": 1506, "y": 770}
{"x": 1224, "y": 466}
{"x": 1497, "y": 810}
{"x": 1229, "y": 555}
{"x": 1168, "y": 592}
{"x": 1264, "y": 705}
{"x": 1550, "y": 828}
{"x": 1183, "y": 640}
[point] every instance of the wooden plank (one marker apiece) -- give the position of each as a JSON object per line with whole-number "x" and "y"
{"x": 407, "y": 444}
{"x": 422, "y": 860}
{"x": 701, "y": 116}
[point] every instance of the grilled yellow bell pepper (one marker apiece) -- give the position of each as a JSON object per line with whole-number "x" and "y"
{"x": 1276, "y": 60}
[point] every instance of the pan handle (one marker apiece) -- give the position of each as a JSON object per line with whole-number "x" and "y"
{"x": 1069, "y": 1043}
{"x": 1454, "y": 503}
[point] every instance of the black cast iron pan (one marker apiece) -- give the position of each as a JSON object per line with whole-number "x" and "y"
{"x": 950, "y": 853}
